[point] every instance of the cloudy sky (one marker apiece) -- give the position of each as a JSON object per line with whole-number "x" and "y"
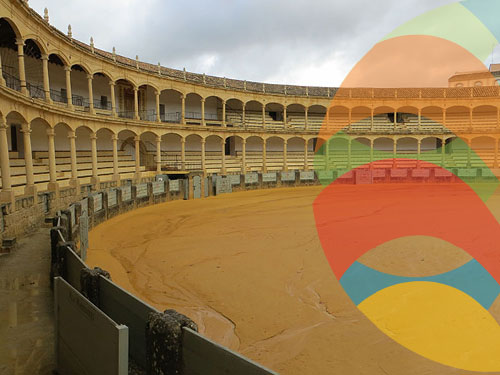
{"x": 305, "y": 42}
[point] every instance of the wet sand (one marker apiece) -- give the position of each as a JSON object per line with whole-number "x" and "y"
{"x": 249, "y": 269}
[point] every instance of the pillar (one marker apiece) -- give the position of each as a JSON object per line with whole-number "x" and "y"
{"x": 327, "y": 154}
{"x": 116, "y": 173}
{"x": 223, "y": 158}
{"x": 52, "y": 161}
{"x": 183, "y": 110}
{"x": 91, "y": 94}
{"x": 244, "y": 156}
{"x": 74, "y": 170}
{"x": 306, "y": 155}
{"x": 157, "y": 96}
{"x": 203, "y": 112}
{"x": 372, "y": 144}
{"x": 69, "y": 97}
{"x": 496, "y": 154}
{"x": 395, "y": 119}
{"x": 284, "y": 116}
{"x": 264, "y": 156}
{"x": 136, "y": 103}
{"x": 158, "y": 154}
{"x": 285, "y": 158}
{"x": 2, "y": 80}
{"x": 224, "y": 113}
{"x": 137, "y": 140}
{"x": 28, "y": 161}
{"x": 470, "y": 118}
{"x": 306, "y": 114}
{"x": 264, "y": 116}
{"x": 372, "y": 122}
{"x": 113, "y": 100}
{"x": 46, "y": 82}
{"x": 419, "y": 152}
{"x": 243, "y": 120}
{"x": 350, "y": 119}
{"x": 443, "y": 151}
{"x": 183, "y": 154}
{"x": 6, "y": 195}
{"x": 203, "y": 162}
{"x": 95, "y": 174}
{"x": 349, "y": 151}
{"x": 419, "y": 119}
{"x": 20, "y": 60}
{"x": 444, "y": 118}
{"x": 394, "y": 152}
{"x": 469, "y": 142}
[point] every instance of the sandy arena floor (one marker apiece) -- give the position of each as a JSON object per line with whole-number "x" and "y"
{"x": 249, "y": 269}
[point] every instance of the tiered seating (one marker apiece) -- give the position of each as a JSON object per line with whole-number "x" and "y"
{"x": 382, "y": 123}
{"x": 484, "y": 121}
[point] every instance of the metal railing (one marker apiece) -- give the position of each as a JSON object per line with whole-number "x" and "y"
{"x": 147, "y": 115}
{"x": 126, "y": 114}
{"x": 35, "y": 91}
{"x": 171, "y": 117}
{"x": 79, "y": 100}
{"x": 57, "y": 96}
{"x": 12, "y": 82}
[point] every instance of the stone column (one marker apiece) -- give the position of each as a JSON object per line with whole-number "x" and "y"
{"x": 6, "y": 195}
{"x": 495, "y": 165}
{"x": 203, "y": 163}
{"x": 285, "y": 157}
{"x": 349, "y": 153}
{"x": 372, "y": 115}
{"x": 244, "y": 156}
{"x": 74, "y": 169}
{"x": 264, "y": 116}
{"x": 46, "y": 82}
{"x": 350, "y": 119}
{"x": 157, "y": 96}
{"x": 327, "y": 117}
{"x": 183, "y": 110}
{"x": 372, "y": 142}
{"x": 95, "y": 173}
{"x": 469, "y": 153}
{"x": 137, "y": 141}
{"x": 113, "y": 100}
{"x": 224, "y": 113}
{"x": 28, "y": 160}
{"x": 223, "y": 158}
{"x": 395, "y": 119}
{"x": 306, "y": 114}
{"x": 2, "y": 80}
{"x": 203, "y": 112}
{"x": 136, "y": 103}
{"x": 470, "y": 119}
{"x": 284, "y": 117}
{"x": 91, "y": 94}
{"x": 443, "y": 151}
{"x": 158, "y": 154}
{"x": 264, "y": 156}
{"x": 444, "y": 118}
{"x": 419, "y": 119}
{"x": 69, "y": 96}
{"x": 52, "y": 161}
{"x": 306, "y": 155}
{"x": 327, "y": 154}
{"x": 394, "y": 152}
{"x": 183, "y": 154}
{"x": 116, "y": 173}
{"x": 243, "y": 120}
{"x": 20, "y": 60}
{"x": 419, "y": 152}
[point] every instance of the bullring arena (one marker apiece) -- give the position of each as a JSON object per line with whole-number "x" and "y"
{"x": 145, "y": 157}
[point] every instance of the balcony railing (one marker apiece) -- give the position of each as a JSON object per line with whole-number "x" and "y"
{"x": 12, "y": 82}
{"x": 35, "y": 91}
{"x": 57, "y": 96}
{"x": 171, "y": 117}
{"x": 126, "y": 114}
{"x": 148, "y": 115}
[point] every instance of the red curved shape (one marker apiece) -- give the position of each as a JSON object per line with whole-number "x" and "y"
{"x": 349, "y": 226}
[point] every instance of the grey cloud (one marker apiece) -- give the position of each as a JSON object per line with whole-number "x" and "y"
{"x": 254, "y": 40}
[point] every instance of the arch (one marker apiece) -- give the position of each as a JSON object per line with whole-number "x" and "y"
{"x": 58, "y": 57}
{"x": 81, "y": 66}
{"x": 36, "y": 40}
{"x": 12, "y": 25}
{"x": 146, "y": 97}
{"x": 338, "y": 117}
{"x": 39, "y": 139}
{"x": 213, "y": 108}
{"x": 407, "y": 145}
{"x": 62, "y": 130}
{"x": 193, "y": 145}
{"x": 361, "y": 117}
{"x": 15, "y": 116}
{"x": 170, "y": 105}
{"x": 383, "y": 144}
{"x": 124, "y": 93}
{"x": 104, "y": 73}
{"x": 104, "y": 139}
{"x": 193, "y": 108}
{"x": 484, "y": 117}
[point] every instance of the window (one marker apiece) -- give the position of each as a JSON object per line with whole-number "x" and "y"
{"x": 104, "y": 101}
{"x": 478, "y": 83}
